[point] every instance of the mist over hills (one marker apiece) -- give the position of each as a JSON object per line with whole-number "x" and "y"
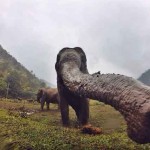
{"x": 15, "y": 80}
{"x": 145, "y": 77}
{"x": 48, "y": 84}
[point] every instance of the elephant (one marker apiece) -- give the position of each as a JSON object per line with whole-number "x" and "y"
{"x": 48, "y": 95}
{"x": 79, "y": 104}
{"x": 127, "y": 95}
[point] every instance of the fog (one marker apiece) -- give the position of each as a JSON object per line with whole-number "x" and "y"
{"x": 113, "y": 33}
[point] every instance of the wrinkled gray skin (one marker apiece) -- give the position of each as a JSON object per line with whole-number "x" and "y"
{"x": 127, "y": 95}
{"x": 48, "y": 95}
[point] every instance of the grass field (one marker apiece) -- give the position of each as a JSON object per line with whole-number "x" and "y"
{"x": 24, "y": 127}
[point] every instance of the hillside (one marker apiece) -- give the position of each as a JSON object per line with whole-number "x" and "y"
{"x": 15, "y": 80}
{"x": 145, "y": 77}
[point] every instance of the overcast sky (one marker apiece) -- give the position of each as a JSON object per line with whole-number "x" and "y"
{"x": 115, "y": 34}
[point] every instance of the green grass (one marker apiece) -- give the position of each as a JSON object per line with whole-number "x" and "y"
{"x": 44, "y": 131}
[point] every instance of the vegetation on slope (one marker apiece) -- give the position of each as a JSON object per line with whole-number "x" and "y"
{"x": 15, "y": 80}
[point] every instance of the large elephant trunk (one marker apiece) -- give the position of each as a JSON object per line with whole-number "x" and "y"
{"x": 130, "y": 97}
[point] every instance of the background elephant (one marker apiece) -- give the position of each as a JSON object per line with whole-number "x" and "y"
{"x": 48, "y": 95}
{"x": 127, "y": 95}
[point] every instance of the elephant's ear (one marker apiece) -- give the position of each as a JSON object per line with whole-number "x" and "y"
{"x": 83, "y": 67}
{"x": 56, "y": 64}
{"x": 58, "y": 58}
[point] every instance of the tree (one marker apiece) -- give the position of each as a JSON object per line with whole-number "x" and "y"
{"x": 43, "y": 84}
{"x": 3, "y": 86}
{"x": 13, "y": 79}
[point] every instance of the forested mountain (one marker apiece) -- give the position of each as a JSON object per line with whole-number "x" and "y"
{"x": 145, "y": 77}
{"x": 15, "y": 80}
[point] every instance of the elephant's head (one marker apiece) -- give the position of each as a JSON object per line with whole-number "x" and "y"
{"x": 39, "y": 95}
{"x": 127, "y": 95}
{"x": 73, "y": 57}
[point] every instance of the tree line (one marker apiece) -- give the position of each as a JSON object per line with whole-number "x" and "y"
{"x": 15, "y": 80}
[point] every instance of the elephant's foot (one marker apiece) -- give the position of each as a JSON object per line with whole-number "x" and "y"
{"x": 89, "y": 129}
{"x": 66, "y": 125}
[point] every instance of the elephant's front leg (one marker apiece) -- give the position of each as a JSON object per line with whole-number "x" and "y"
{"x": 64, "y": 107}
{"x": 47, "y": 104}
{"x": 42, "y": 102}
{"x": 84, "y": 112}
